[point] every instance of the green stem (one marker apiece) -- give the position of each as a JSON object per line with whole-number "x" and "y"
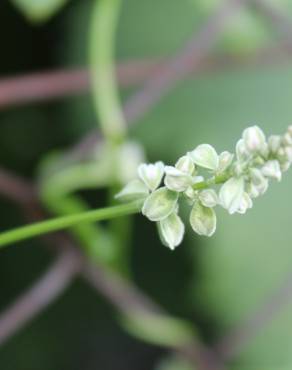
{"x": 60, "y": 223}
{"x": 219, "y": 179}
{"x": 105, "y": 90}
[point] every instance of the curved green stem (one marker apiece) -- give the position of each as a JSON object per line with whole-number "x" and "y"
{"x": 60, "y": 223}
{"x": 104, "y": 85}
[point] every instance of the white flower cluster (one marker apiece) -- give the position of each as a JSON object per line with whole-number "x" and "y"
{"x": 243, "y": 176}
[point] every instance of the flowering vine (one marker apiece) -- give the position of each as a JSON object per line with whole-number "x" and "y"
{"x": 242, "y": 177}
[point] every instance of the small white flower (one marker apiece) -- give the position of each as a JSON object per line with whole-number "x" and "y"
{"x": 225, "y": 160}
{"x": 288, "y": 153}
{"x": 186, "y": 165}
{"x": 203, "y": 219}
{"x": 205, "y": 156}
{"x": 254, "y": 139}
{"x": 241, "y": 151}
{"x": 274, "y": 143}
{"x": 171, "y": 231}
{"x": 208, "y": 198}
{"x": 245, "y": 203}
{"x": 272, "y": 169}
{"x": 160, "y": 204}
{"x": 252, "y": 190}
{"x": 134, "y": 190}
{"x": 285, "y": 166}
{"x": 151, "y": 174}
{"x": 231, "y": 194}
{"x": 176, "y": 180}
{"x": 258, "y": 180}
{"x": 287, "y": 139}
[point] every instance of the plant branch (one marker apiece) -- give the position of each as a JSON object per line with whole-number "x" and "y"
{"x": 47, "y": 289}
{"x": 61, "y": 223}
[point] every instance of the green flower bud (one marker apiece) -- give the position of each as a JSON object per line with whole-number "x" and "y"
{"x": 160, "y": 204}
{"x": 225, "y": 160}
{"x": 134, "y": 190}
{"x": 254, "y": 139}
{"x": 186, "y": 165}
{"x": 203, "y": 220}
{"x": 208, "y": 198}
{"x": 231, "y": 194}
{"x": 171, "y": 230}
{"x": 272, "y": 169}
{"x": 151, "y": 174}
{"x": 205, "y": 156}
{"x": 176, "y": 180}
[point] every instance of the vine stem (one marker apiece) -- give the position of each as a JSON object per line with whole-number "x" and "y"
{"x": 101, "y": 57}
{"x": 60, "y": 223}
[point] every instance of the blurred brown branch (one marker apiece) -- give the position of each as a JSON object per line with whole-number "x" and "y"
{"x": 48, "y": 85}
{"x": 47, "y": 289}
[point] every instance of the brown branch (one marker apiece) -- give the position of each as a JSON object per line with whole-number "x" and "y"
{"x": 47, "y": 289}
{"x": 181, "y": 65}
{"x": 50, "y": 85}
{"x": 15, "y": 188}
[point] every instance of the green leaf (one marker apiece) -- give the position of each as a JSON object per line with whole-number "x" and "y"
{"x": 39, "y": 10}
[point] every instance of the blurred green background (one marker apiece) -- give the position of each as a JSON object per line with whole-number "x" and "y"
{"x": 215, "y": 282}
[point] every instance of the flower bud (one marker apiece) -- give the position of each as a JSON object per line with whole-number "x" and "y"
{"x": 171, "y": 230}
{"x": 208, "y": 198}
{"x": 160, "y": 204}
{"x": 205, "y": 156}
{"x": 225, "y": 160}
{"x": 241, "y": 151}
{"x": 274, "y": 143}
{"x": 272, "y": 169}
{"x": 185, "y": 164}
{"x": 287, "y": 139}
{"x": 151, "y": 174}
{"x": 231, "y": 194}
{"x": 254, "y": 139}
{"x": 288, "y": 153}
{"x": 285, "y": 166}
{"x": 176, "y": 180}
{"x": 245, "y": 203}
{"x": 256, "y": 176}
{"x": 252, "y": 190}
{"x": 203, "y": 220}
{"x": 134, "y": 190}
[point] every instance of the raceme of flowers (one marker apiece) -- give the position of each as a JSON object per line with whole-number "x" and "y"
{"x": 242, "y": 177}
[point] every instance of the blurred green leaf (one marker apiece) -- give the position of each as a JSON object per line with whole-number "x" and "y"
{"x": 39, "y": 10}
